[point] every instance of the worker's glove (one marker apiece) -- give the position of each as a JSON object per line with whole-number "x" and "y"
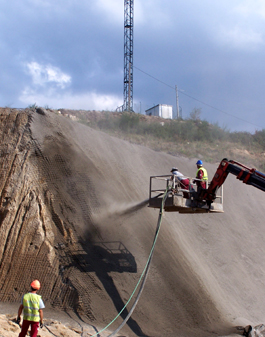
{"x": 41, "y": 325}
{"x": 18, "y": 320}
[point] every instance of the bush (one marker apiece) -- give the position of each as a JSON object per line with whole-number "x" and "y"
{"x": 187, "y": 137}
{"x": 259, "y": 137}
{"x": 107, "y": 123}
{"x": 241, "y": 138}
{"x": 129, "y": 121}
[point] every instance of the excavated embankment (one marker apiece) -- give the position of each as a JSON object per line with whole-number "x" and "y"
{"x": 69, "y": 217}
{"x": 27, "y": 228}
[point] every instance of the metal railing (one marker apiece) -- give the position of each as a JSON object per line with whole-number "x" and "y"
{"x": 176, "y": 186}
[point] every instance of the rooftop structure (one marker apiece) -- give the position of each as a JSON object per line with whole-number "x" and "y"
{"x": 160, "y": 110}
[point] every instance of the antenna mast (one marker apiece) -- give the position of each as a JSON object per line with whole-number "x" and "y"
{"x": 177, "y": 102}
{"x": 128, "y": 56}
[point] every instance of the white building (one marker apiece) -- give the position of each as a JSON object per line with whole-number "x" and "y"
{"x": 160, "y": 110}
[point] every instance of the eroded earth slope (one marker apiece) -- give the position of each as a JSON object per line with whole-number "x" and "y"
{"x": 73, "y": 214}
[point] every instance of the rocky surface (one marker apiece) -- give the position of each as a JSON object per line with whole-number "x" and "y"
{"x": 8, "y": 328}
{"x": 27, "y": 231}
{"x": 51, "y": 327}
{"x": 73, "y": 214}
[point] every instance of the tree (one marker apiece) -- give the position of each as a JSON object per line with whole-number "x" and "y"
{"x": 195, "y": 115}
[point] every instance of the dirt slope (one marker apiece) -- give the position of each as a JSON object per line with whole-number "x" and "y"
{"x": 64, "y": 190}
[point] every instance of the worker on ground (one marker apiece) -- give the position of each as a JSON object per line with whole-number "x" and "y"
{"x": 178, "y": 178}
{"x": 32, "y": 306}
{"x": 201, "y": 175}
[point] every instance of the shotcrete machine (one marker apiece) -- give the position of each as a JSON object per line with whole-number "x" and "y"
{"x": 203, "y": 200}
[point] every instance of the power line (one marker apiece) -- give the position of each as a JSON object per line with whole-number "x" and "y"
{"x": 170, "y": 86}
{"x": 196, "y": 99}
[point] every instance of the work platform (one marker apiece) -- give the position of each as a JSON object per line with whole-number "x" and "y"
{"x": 175, "y": 201}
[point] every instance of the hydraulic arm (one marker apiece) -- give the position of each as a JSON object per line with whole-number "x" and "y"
{"x": 247, "y": 175}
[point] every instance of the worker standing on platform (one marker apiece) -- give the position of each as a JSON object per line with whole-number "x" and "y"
{"x": 31, "y": 306}
{"x": 202, "y": 175}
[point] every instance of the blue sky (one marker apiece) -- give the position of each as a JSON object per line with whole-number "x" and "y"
{"x": 68, "y": 54}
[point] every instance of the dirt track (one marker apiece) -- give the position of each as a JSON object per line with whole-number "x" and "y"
{"x": 207, "y": 274}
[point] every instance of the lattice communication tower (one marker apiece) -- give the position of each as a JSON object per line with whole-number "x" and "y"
{"x": 128, "y": 56}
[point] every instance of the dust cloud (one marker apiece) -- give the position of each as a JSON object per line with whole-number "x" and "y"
{"x": 118, "y": 210}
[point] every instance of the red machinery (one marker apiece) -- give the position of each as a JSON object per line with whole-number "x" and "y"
{"x": 203, "y": 200}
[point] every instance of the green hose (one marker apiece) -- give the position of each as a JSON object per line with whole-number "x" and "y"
{"x": 143, "y": 275}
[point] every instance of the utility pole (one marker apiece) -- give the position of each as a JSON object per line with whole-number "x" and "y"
{"x": 128, "y": 56}
{"x": 177, "y": 102}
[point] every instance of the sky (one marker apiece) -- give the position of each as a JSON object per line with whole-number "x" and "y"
{"x": 69, "y": 54}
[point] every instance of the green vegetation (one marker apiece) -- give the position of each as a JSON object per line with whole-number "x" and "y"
{"x": 33, "y": 106}
{"x": 191, "y": 137}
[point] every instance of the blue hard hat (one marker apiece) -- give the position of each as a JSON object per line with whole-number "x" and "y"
{"x": 199, "y": 162}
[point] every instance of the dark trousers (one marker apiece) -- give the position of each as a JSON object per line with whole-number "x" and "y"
{"x": 25, "y": 327}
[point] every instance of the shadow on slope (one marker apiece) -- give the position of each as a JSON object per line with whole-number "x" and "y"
{"x": 87, "y": 172}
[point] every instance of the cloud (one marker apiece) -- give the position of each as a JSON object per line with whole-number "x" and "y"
{"x": 49, "y": 88}
{"x": 249, "y": 8}
{"x": 112, "y": 10}
{"x": 242, "y": 26}
{"x": 47, "y": 74}
{"x": 68, "y": 100}
{"x": 238, "y": 37}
